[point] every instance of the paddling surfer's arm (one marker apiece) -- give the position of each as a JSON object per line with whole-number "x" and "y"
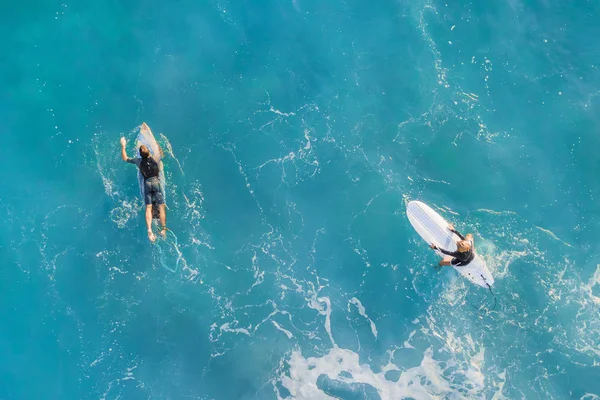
{"x": 468, "y": 237}
{"x": 446, "y": 252}
{"x": 451, "y": 229}
{"x": 124, "y": 156}
{"x": 123, "y": 151}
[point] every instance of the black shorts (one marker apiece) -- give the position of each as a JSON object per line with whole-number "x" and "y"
{"x": 153, "y": 191}
{"x": 458, "y": 263}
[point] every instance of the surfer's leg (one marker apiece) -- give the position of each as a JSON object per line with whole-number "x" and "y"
{"x": 163, "y": 220}
{"x": 155, "y": 212}
{"x": 148, "y": 203}
{"x": 160, "y": 200}
{"x": 149, "y": 222}
{"x": 446, "y": 262}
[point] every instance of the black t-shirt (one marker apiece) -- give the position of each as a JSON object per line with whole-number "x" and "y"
{"x": 148, "y": 166}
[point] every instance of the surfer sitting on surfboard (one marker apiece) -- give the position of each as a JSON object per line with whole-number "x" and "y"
{"x": 463, "y": 256}
{"x": 150, "y": 170}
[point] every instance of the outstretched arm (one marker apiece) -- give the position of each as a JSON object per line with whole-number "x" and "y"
{"x": 451, "y": 229}
{"x": 460, "y": 235}
{"x": 123, "y": 151}
{"x": 446, "y": 252}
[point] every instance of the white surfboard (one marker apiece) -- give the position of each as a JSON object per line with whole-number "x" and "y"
{"x": 434, "y": 229}
{"x": 146, "y": 137}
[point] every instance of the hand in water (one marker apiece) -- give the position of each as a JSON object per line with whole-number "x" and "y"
{"x": 123, "y": 142}
{"x": 163, "y": 233}
{"x": 151, "y": 236}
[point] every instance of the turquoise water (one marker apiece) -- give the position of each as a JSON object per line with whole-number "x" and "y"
{"x": 299, "y": 129}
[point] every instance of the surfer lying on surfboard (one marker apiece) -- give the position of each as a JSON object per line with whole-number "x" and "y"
{"x": 463, "y": 256}
{"x": 150, "y": 170}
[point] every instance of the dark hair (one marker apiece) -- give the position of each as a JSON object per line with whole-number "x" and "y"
{"x": 144, "y": 152}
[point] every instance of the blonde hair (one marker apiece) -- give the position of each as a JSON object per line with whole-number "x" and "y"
{"x": 464, "y": 245}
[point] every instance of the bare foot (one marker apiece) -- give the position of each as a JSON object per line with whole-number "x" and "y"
{"x": 151, "y": 236}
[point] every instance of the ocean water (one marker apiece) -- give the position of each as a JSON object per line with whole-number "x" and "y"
{"x": 296, "y": 131}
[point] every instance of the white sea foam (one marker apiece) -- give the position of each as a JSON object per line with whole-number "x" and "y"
{"x": 362, "y": 312}
{"x": 278, "y": 327}
{"x": 342, "y": 365}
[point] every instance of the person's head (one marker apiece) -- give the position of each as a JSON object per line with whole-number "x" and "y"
{"x": 463, "y": 245}
{"x": 144, "y": 152}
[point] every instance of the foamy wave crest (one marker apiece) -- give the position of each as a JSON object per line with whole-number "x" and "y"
{"x": 302, "y": 377}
